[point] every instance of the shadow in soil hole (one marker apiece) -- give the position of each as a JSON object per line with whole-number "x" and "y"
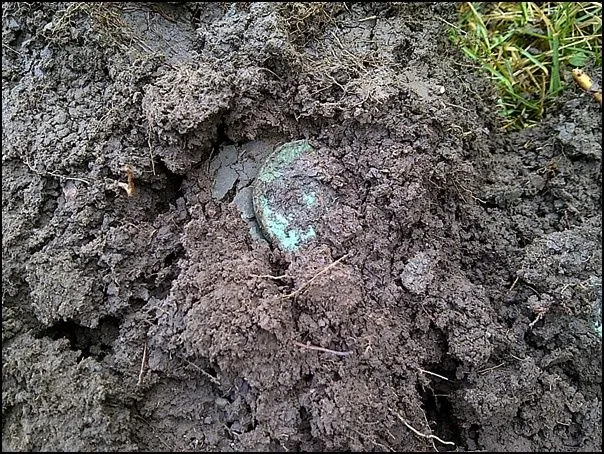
{"x": 159, "y": 288}
{"x": 172, "y": 190}
{"x": 439, "y": 412}
{"x": 95, "y": 342}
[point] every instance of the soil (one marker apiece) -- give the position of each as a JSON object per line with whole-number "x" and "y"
{"x": 453, "y": 290}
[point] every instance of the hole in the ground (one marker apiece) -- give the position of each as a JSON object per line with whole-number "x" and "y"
{"x": 277, "y": 65}
{"x": 279, "y": 266}
{"x": 95, "y": 342}
{"x": 251, "y": 425}
{"x": 136, "y": 304}
{"x": 304, "y": 427}
{"x": 402, "y": 52}
{"x": 110, "y": 196}
{"x": 438, "y": 409}
{"x": 172, "y": 190}
{"x": 474, "y": 432}
{"x": 196, "y": 17}
{"x": 170, "y": 258}
{"x": 222, "y": 138}
{"x": 159, "y": 288}
{"x": 211, "y": 371}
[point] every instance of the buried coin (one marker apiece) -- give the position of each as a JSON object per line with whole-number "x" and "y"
{"x": 289, "y": 199}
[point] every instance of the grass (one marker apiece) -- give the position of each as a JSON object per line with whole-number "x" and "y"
{"x": 529, "y": 49}
{"x": 105, "y": 20}
{"x": 306, "y": 20}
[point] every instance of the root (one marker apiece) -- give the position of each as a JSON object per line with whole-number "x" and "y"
{"x": 203, "y": 372}
{"x": 418, "y": 433}
{"x": 270, "y": 276}
{"x": 52, "y": 174}
{"x": 321, "y": 349}
{"x": 432, "y": 373}
{"x": 304, "y": 286}
{"x": 140, "y": 374}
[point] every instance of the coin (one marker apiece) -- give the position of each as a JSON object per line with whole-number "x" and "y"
{"x": 289, "y": 198}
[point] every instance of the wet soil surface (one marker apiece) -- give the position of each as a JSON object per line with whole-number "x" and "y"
{"x": 448, "y": 302}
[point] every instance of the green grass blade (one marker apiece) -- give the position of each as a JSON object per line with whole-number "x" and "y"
{"x": 526, "y": 47}
{"x": 554, "y": 81}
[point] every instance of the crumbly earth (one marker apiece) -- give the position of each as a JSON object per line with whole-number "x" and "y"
{"x": 458, "y": 276}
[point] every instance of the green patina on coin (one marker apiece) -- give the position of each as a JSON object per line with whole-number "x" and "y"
{"x": 289, "y": 200}
{"x": 278, "y": 161}
{"x": 280, "y": 228}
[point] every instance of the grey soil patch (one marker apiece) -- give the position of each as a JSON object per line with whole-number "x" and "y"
{"x": 233, "y": 170}
{"x": 461, "y": 265}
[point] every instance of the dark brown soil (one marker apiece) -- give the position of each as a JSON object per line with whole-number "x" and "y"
{"x": 468, "y": 272}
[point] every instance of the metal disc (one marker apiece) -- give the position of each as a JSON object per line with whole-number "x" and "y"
{"x": 289, "y": 200}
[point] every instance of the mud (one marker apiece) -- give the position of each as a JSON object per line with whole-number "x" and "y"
{"x": 455, "y": 287}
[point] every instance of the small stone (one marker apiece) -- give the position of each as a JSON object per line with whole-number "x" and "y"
{"x": 221, "y": 402}
{"x": 417, "y": 274}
